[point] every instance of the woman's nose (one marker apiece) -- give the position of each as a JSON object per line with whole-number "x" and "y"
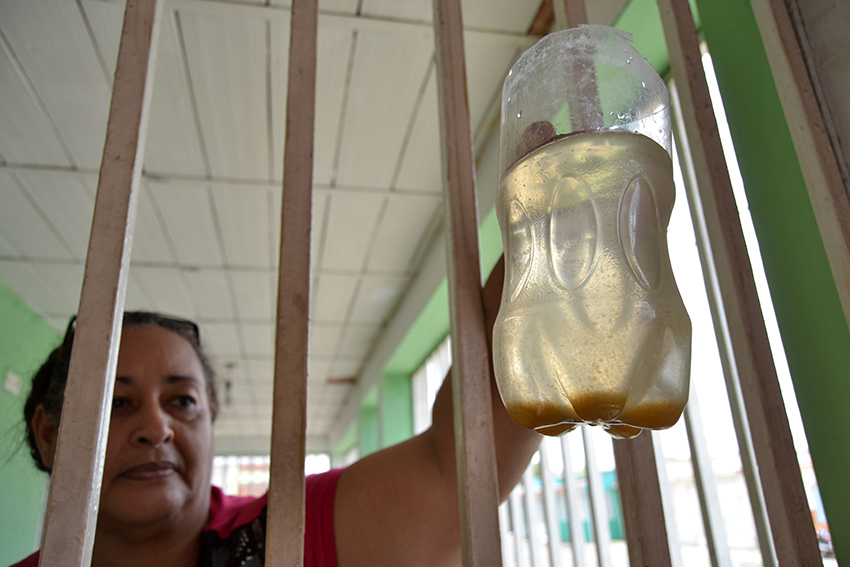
{"x": 154, "y": 427}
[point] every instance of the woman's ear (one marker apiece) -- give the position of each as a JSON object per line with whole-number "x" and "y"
{"x": 46, "y": 430}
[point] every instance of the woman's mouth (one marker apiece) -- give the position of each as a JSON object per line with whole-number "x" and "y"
{"x": 151, "y": 471}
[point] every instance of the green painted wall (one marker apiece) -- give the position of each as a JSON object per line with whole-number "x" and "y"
{"x": 368, "y": 430}
{"x": 811, "y": 321}
{"x": 25, "y": 341}
{"x": 369, "y": 434}
{"x": 396, "y": 408}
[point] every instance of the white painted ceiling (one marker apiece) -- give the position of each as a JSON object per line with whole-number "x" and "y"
{"x": 206, "y": 239}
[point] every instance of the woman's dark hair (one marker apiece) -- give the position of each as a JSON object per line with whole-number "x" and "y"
{"x": 48, "y": 384}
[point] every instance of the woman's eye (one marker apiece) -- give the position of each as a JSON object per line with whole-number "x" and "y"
{"x": 185, "y": 401}
{"x": 118, "y": 403}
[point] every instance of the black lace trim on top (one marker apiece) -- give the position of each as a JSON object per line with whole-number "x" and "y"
{"x": 244, "y": 547}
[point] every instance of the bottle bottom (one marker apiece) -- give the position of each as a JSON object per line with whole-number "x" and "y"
{"x": 620, "y": 422}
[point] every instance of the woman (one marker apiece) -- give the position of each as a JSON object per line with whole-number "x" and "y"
{"x": 394, "y": 507}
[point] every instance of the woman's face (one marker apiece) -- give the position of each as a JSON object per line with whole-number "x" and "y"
{"x": 159, "y": 456}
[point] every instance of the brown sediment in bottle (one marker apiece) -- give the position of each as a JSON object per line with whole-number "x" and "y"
{"x": 556, "y": 419}
{"x": 596, "y": 407}
{"x": 620, "y": 431}
{"x": 659, "y": 414}
{"x": 533, "y": 415}
{"x": 557, "y": 430}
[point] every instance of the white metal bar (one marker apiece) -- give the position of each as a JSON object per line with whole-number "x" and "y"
{"x": 473, "y": 414}
{"x": 673, "y": 542}
{"x": 724, "y": 341}
{"x": 285, "y": 529}
{"x": 715, "y": 533}
{"x": 505, "y": 531}
{"x": 78, "y": 471}
{"x": 575, "y": 507}
{"x": 518, "y": 526}
{"x": 598, "y": 508}
{"x": 791, "y": 524}
{"x": 531, "y": 513}
{"x": 552, "y": 527}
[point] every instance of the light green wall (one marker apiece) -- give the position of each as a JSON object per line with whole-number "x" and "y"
{"x": 25, "y": 341}
{"x": 396, "y": 408}
{"x": 369, "y": 442}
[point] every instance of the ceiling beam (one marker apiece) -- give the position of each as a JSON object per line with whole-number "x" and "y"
{"x": 366, "y": 24}
{"x": 224, "y": 183}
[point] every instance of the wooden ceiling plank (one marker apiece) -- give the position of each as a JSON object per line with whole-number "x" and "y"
{"x": 211, "y": 293}
{"x": 333, "y": 297}
{"x": 192, "y": 235}
{"x": 25, "y": 226}
{"x": 357, "y": 341}
{"x": 226, "y": 60}
{"x": 150, "y": 242}
{"x": 28, "y": 135}
{"x": 387, "y": 74}
{"x": 420, "y": 169}
{"x": 259, "y": 338}
{"x": 360, "y": 23}
{"x": 324, "y": 339}
{"x": 346, "y": 243}
{"x": 221, "y": 340}
{"x": 175, "y": 146}
{"x": 254, "y": 293}
{"x": 30, "y": 284}
{"x": 67, "y": 207}
{"x": 403, "y": 228}
{"x": 55, "y": 51}
{"x": 245, "y": 225}
{"x": 376, "y": 299}
{"x": 168, "y": 289}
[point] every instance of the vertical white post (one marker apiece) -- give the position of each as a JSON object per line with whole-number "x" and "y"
{"x": 78, "y": 468}
{"x": 531, "y": 509}
{"x": 724, "y": 341}
{"x": 515, "y": 500}
{"x": 712, "y": 518}
{"x": 598, "y": 509}
{"x": 575, "y": 507}
{"x": 473, "y": 414}
{"x": 285, "y": 528}
{"x": 552, "y": 527}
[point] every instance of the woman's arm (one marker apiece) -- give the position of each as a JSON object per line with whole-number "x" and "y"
{"x": 399, "y": 506}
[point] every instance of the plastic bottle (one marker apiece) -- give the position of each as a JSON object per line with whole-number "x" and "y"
{"x": 591, "y": 328}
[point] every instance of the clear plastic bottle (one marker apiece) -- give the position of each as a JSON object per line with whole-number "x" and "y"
{"x": 591, "y": 328}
